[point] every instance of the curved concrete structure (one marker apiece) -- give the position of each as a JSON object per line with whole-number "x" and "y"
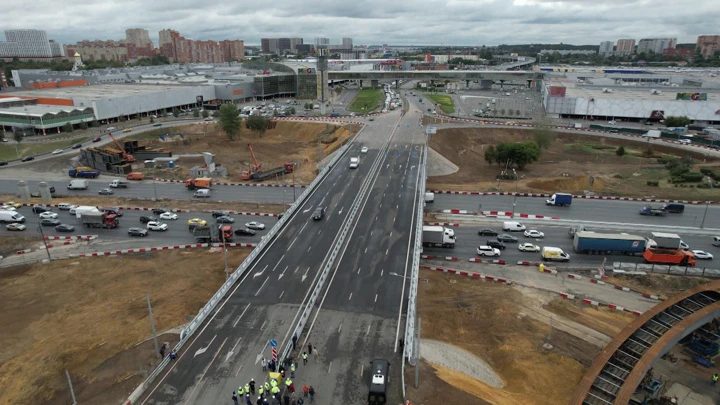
{"x": 621, "y": 366}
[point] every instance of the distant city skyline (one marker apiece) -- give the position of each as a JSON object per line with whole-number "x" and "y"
{"x": 374, "y": 22}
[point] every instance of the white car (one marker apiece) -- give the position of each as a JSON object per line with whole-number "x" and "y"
{"x": 66, "y": 206}
{"x": 72, "y": 210}
{"x": 48, "y": 215}
{"x": 703, "y": 255}
{"x": 364, "y": 149}
{"x": 57, "y": 151}
{"x": 533, "y": 233}
{"x": 8, "y": 208}
{"x": 169, "y": 215}
{"x": 255, "y": 225}
{"x": 528, "y": 247}
{"x": 15, "y": 227}
{"x": 157, "y": 226}
{"x": 684, "y": 246}
{"x": 488, "y": 251}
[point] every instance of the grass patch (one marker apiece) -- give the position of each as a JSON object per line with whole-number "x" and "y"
{"x": 367, "y": 100}
{"x": 445, "y": 102}
{"x": 592, "y": 148}
{"x": 152, "y": 134}
{"x": 7, "y": 151}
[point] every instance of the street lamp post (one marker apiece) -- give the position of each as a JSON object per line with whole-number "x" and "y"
{"x": 225, "y": 255}
{"x": 42, "y": 234}
{"x": 707, "y": 204}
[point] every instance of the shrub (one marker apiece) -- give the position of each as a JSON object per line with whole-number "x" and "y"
{"x": 703, "y": 185}
{"x": 620, "y": 151}
{"x": 692, "y": 177}
{"x": 710, "y": 173}
{"x": 652, "y": 183}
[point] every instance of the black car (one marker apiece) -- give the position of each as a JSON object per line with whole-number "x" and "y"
{"x": 137, "y": 232}
{"x": 158, "y": 211}
{"x": 506, "y": 238}
{"x": 244, "y": 232}
{"x": 3, "y": 163}
{"x": 36, "y": 209}
{"x": 49, "y": 222}
{"x": 27, "y": 158}
{"x": 77, "y": 146}
{"x": 216, "y": 214}
{"x": 65, "y": 228}
{"x": 496, "y": 244}
{"x": 487, "y": 232}
{"x": 112, "y": 210}
{"x": 225, "y": 220}
{"x": 319, "y": 213}
{"x": 145, "y": 219}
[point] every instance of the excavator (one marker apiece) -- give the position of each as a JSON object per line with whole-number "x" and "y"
{"x": 256, "y": 173}
{"x": 128, "y": 157}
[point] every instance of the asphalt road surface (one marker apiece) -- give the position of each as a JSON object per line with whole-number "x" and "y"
{"x": 555, "y": 235}
{"x": 177, "y": 233}
{"x": 586, "y": 210}
{"x": 226, "y": 351}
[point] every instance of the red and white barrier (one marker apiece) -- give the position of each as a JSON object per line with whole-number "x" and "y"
{"x": 84, "y": 237}
{"x": 652, "y": 297}
{"x": 456, "y": 211}
{"x": 454, "y": 224}
{"x": 161, "y": 248}
{"x": 237, "y": 184}
{"x": 468, "y": 274}
{"x": 575, "y": 276}
{"x": 582, "y": 197}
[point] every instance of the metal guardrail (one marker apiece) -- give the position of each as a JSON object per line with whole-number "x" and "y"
{"x": 667, "y": 269}
{"x": 239, "y": 272}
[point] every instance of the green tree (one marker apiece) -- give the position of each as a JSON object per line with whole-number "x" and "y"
{"x": 196, "y": 113}
{"x": 620, "y": 151}
{"x": 2, "y": 136}
{"x": 68, "y": 127}
{"x": 519, "y": 154}
{"x": 677, "y": 121}
{"x": 18, "y": 136}
{"x": 257, "y": 123}
{"x": 83, "y": 125}
{"x": 152, "y": 119}
{"x": 517, "y": 112}
{"x": 292, "y": 110}
{"x": 229, "y": 120}
{"x": 544, "y": 136}
{"x": 175, "y": 112}
{"x": 490, "y": 155}
{"x": 205, "y": 113}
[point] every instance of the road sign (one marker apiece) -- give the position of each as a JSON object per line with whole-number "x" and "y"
{"x": 273, "y": 343}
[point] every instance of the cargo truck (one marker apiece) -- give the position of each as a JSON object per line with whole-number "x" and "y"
{"x": 286, "y": 168}
{"x": 119, "y": 184}
{"x": 213, "y": 233}
{"x": 560, "y": 200}
{"x": 200, "y": 182}
{"x": 84, "y": 172}
{"x": 438, "y": 236}
{"x": 652, "y": 211}
{"x": 663, "y": 240}
{"x": 608, "y": 243}
{"x": 653, "y": 133}
{"x": 676, "y": 257}
{"x": 78, "y": 185}
{"x": 96, "y": 219}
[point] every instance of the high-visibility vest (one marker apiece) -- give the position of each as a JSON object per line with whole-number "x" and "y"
{"x": 260, "y": 390}
{"x": 275, "y": 390}
{"x": 288, "y": 382}
{"x": 247, "y": 387}
{"x": 715, "y": 377}
{"x": 292, "y": 367}
{"x": 304, "y": 356}
{"x": 267, "y": 386}
{"x": 240, "y": 391}
{"x": 273, "y": 382}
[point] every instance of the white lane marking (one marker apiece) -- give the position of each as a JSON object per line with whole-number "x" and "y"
{"x": 359, "y": 268}
{"x": 303, "y": 227}
{"x": 304, "y": 276}
{"x": 296, "y": 269}
{"x": 386, "y": 251}
{"x": 204, "y": 349}
{"x": 339, "y": 328}
{"x": 281, "y": 294}
{"x": 365, "y": 250}
{"x": 232, "y": 351}
{"x": 277, "y": 264}
{"x": 241, "y": 315}
{"x": 263, "y": 325}
{"x": 202, "y": 376}
{"x": 375, "y": 299}
{"x": 258, "y": 290}
{"x": 309, "y": 247}
{"x": 283, "y": 272}
{"x": 292, "y": 243}
{"x": 319, "y": 232}
{"x": 368, "y": 331}
{"x": 341, "y": 210}
{"x": 381, "y": 272}
{"x": 259, "y": 273}
{"x": 391, "y": 235}
{"x": 350, "y": 297}
{"x": 371, "y": 232}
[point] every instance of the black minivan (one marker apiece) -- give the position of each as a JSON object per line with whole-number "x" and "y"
{"x": 378, "y": 382}
{"x": 674, "y": 208}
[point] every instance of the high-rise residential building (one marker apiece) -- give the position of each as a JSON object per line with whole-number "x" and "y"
{"x": 606, "y": 49}
{"x": 138, "y": 36}
{"x": 232, "y": 50}
{"x": 347, "y": 43}
{"x": 656, "y": 45}
{"x": 294, "y": 42}
{"x": 321, "y": 42}
{"x": 280, "y": 45}
{"x": 103, "y": 50}
{"x": 265, "y": 45}
{"x": 56, "y": 49}
{"x": 184, "y": 50}
{"x": 708, "y": 45}
{"x": 26, "y": 43}
{"x": 625, "y": 47}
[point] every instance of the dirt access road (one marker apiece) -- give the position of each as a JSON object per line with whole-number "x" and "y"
{"x": 89, "y": 316}
{"x": 566, "y": 166}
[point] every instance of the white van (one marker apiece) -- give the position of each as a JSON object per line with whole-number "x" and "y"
{"x": 429, "y": 197}
{"x": 513, "y": 226}
{"x": 84, "y": 209}
{"x": 78, "y": 185}
{"x": 554, "y": 254}
{"x": 202, "y": 193}
{"x": 354, "y": 161}
{"x": 7, "y": 217}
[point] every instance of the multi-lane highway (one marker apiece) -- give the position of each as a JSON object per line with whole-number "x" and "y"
{"x": 177, "y": 233}
{"x": 265, "y": 303}
{"x": 612, "y": 211}
{"x": 557, "y": 235}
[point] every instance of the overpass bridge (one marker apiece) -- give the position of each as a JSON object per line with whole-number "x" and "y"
{"x": 618, "y": 370}
{"x": 467, "y": 75}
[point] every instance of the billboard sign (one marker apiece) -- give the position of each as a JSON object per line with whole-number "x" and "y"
{"x": 557, "y": 91}
{"x": 306, "y": 71}
{"x": 691, "y": 96}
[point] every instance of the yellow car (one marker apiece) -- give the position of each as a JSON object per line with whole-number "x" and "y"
{"x": 127, "y": 130}
{"x": 197, "y": 221}
{"x": 13, "y": 204}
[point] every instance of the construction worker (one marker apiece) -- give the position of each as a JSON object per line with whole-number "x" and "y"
{"x": 235, "y": 398}
{"x": 714, "y": 379}
{"x": 252, "y": 386}
{"x": 267, "y": 386}
{"x": 261, "y": 391}
{"x": 248, "y": 401}
{"x": 241, "y": 391}
{"x": 304, "y": 357}
{"x": 292, "y": 370}
{"x": 288, "y": 382}
{"x": 247, "y": 388}
{"x": 275, "y": 391}
{"x": 264, "y": 365}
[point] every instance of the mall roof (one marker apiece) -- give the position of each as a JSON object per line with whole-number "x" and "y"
{"x": 100, "y": 91}
{"x": 38, "y": 110}
{"x": 666, "y": 93}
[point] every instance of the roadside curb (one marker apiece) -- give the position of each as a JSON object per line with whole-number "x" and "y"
{"x": 582, "y": 197}
{"x": 160, "y": 248}
{"x": 177, "y": 211}
{"x": 237, "y": 184}
{"x": 455, "y": 224}
{"x": 85, "y": 237}
{"x": 509, "y": 282}
{"x": 500, "y": 214}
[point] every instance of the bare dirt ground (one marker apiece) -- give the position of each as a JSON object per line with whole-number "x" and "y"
{"x": 10, "y": 245}
{"x": 170, "y": 204}
{"x": 662, "y": 285}
{"x": 288, "y": 142}
{"x": 89, "y": 317}
{"x": 564, "y": 167}
{"x": 487, "y": 320}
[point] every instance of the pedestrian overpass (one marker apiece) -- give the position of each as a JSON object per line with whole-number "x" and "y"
{"x": 486, "y": 77}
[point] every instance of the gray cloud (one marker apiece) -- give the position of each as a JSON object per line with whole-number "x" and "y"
{"x": 429, "y": 22}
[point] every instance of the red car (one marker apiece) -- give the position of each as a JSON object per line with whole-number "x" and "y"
{"x": 97, "y": 139}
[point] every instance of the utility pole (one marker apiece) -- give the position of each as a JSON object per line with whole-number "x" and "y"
{"x": 72, "y": 392}
{"x": 225, "y": 256}
{"x": 152, "y": 325}
{"x": 417, "y": 354}
{"x": 707, "y": 205}
{"x": 42, "y": 234}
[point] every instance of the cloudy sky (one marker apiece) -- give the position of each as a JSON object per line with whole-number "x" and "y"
{"x": 409, "y": 22}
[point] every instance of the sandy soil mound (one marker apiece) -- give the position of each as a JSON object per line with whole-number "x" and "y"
{"x": 457, "y": 359}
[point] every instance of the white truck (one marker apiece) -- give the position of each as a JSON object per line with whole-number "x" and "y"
{"x": 119, "y": 184}
{"x": 7, "y": 216}
{"x": 354, "y": 162}
{"x": 78, "y": 185}
{"x": 429, "y": 197}
{"x": 653, "y": 133}
{"x": 84, "y": 209}
{"x": 440, "y": 236}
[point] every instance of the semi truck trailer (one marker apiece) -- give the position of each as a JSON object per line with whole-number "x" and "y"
{"x": 560, "y": 200}
{"x": 438, "y": 236}
{"x": 94, "y": 219}
{"x": 213, "y": 233}
{"x": 606, "y": 243}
